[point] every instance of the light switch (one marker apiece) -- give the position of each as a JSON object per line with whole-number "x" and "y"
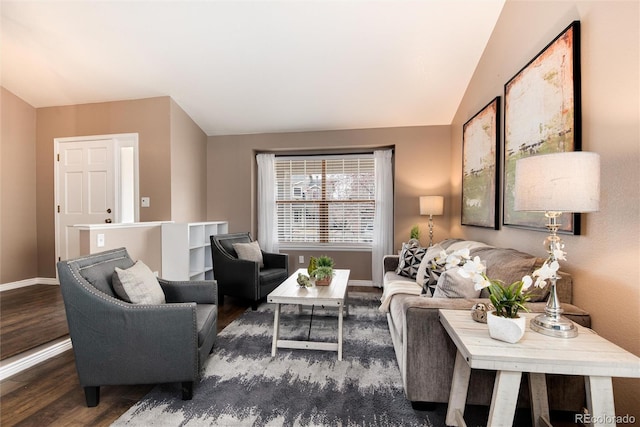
{"x": 301, "y": 259}
{"x": 100, "y": 240}
{"x": 145, "y": 202}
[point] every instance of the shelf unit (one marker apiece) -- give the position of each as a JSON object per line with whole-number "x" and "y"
{"x": 186, "y": 249}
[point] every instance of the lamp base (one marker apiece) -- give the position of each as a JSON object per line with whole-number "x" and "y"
{"x": 559, "y": 327}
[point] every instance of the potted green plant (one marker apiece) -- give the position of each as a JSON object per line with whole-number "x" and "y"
{"x": 504, "y": 322}
{"x": 415, "y": 233}
{"x": 323, "y": 272}
{"x": 324, "y": 261}
{"x": 323, "y": 276}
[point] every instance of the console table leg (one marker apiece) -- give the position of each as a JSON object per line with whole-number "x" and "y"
{"x": 459, "y": 387}
{"x": 600, "y": 400}
{"x": 539, "y": 399}
{"x": 504, "y": 398}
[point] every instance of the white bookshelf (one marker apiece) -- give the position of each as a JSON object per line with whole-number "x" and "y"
{"x": 186, "y": 249}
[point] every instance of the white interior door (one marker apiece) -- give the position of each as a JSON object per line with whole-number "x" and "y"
{"x": 85, "y": 193}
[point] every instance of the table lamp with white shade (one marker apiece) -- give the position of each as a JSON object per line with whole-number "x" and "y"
{"x": 431, "y": 205}
{"x": 553, "y": 184}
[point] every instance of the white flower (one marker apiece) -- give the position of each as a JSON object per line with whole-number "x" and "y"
{"x": 546, "y": 272}
{"x": 527, "y": 281}
{"x": 480, "y": 281}
{"x": 559, "y": 254}
{"x": 474, "y": 270}
{"x": 454, "y": 259}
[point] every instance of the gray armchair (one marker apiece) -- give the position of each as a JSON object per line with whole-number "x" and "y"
{"x": 118, "y": 343}
{"x": 242, "y": 278}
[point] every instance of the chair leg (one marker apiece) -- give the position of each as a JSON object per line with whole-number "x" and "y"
{"x": 220, "y": 299}
{"x": 92, "y": 396}
{"x": 254, "y": 305}
{"x": 187, "y": 390}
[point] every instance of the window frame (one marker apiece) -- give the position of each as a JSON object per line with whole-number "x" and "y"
{"x": 324, "y": 204}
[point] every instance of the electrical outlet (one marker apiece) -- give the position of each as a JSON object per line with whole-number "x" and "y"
{"x": 100, "y": 240}
{"x": 301, "y": 259}
{"x": 145, "y": 202}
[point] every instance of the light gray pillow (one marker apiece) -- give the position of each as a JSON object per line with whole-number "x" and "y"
{"x": 138, "y": 285}
{"x": 249, "y": 251}
{"x": 453, "y": 285}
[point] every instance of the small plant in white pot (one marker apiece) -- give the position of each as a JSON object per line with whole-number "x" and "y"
{"x": 504, "y": 323}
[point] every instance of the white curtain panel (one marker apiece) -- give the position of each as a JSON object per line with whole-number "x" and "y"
{"x": 267, "y": 224}
{"x": 383, "y": 220}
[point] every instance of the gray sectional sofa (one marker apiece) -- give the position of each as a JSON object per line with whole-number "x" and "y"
{"x": 426, "y": 354}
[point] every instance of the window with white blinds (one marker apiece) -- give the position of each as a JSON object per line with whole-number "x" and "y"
{"x": 325, "y": 199}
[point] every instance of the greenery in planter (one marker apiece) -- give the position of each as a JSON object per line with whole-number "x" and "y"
{"x": 312, "y": 265}
{"x": 322, "y": 273}
{"x": 507, "y": 299}
{"x": 415, "y": 232}
{"x": 324, "y": 261}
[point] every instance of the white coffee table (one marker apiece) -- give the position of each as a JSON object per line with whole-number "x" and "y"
{"x": 588, "y": 354}
{"x": 289, "y": 292}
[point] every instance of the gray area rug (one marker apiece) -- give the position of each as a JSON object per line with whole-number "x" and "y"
{"x": 242, "y": 385}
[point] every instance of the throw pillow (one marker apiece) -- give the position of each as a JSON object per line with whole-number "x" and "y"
{"x": 249, "y": 252}
{"x": 422, "y": 276}
{"x": 453, "y": 285}
{"x": 137, "y": 285}
{"x": 410, "y": 258}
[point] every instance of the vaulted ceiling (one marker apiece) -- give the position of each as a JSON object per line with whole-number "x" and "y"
{"x": 241, "y": 67}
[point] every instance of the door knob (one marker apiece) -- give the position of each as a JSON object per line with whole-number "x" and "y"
{"x": 109, "y": 210}
{"x": 108, "y": 220}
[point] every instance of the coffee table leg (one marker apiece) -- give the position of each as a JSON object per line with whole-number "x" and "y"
{"x": 276, "y": 330}
{"x": 600, "y": 400}
{"x": 504, "y": 399}
{"x": 340, "y": 311}
{"x": 459, "y": 387}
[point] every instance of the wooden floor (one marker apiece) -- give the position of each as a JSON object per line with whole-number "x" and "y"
{"x": 29, "y": 317}
{"x": 50, "y": 394}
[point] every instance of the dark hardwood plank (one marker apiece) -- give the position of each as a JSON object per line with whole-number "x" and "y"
{"x": 29, "y": 317}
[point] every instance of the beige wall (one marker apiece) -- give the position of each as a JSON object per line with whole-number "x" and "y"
{"x": 422, "y": 162}
{"x": 605, "y": 258}
{"x": 150, "y": 118}
{"x": 18, "y": 242}
{"x": 188, "y": 168}
{"x": 142, "y": 243}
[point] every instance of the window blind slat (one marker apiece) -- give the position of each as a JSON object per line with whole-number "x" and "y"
{"x": 327, "y": 200}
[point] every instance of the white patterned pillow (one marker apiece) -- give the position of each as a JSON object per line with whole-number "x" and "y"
{"x": 423, "y": 274}
{"x": 410, "y": 259}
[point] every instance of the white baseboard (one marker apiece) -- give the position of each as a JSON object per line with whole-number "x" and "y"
{"x": 361, "y": 283}
{"x": 28, "y": 282}
{"x": 26, "y": 360}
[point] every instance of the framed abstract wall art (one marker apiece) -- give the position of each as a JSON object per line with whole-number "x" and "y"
{"x": 542, "y": 115}
{"x": 480, "y": 146}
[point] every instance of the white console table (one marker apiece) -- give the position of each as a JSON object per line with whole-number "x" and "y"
{"x": 588, "y": 354}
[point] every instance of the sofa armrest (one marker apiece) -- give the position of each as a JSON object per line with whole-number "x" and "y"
{"x": 200, "y": 292}
{"x": 390, "y": 262}
{"x": 273, "y": 260}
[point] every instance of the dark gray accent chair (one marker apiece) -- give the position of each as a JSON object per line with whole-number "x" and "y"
{"x": 119, "y": 343}
{"x": 242, "y": 278}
